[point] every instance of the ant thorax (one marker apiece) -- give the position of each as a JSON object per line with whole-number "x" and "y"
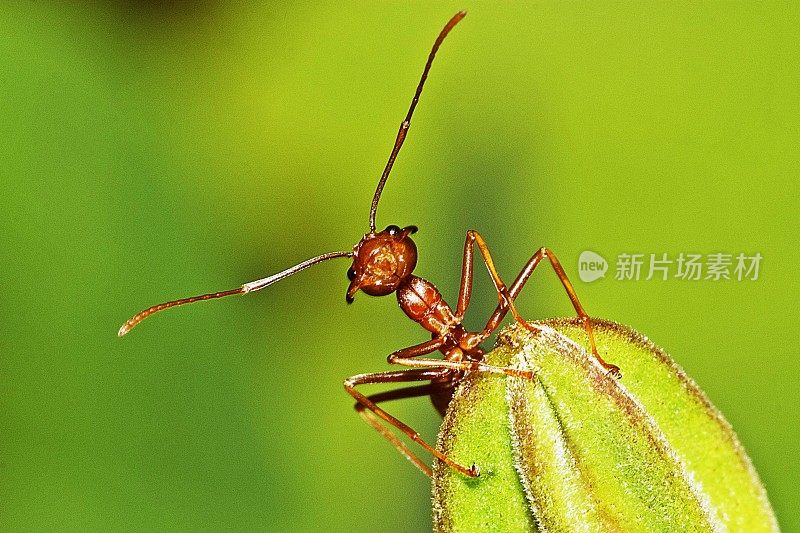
{"x": 422, "y": 302}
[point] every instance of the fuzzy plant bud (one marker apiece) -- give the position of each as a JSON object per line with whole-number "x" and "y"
{"x": 575, "y": 449}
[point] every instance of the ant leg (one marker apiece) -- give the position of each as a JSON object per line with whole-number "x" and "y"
{"x": 505, "y": 297}
{"x": 408, "y": 357}
{"x": 522, "y": 278}
{"x": 364, "y": 402}
{"x": 370, "y": 418}
{"x": 467, "y": 270}
{"x": 465, "y": 292}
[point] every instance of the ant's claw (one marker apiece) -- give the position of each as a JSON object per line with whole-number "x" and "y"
{"x": 613, "y": 371}
{"x": 474, "y": 470}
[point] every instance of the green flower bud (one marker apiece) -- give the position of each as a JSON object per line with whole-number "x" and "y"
{"x": 577, "y": 450}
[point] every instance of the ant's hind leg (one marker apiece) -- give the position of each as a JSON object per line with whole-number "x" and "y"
{"x": 368, "y": 409}
{"x": 526, "y": 272}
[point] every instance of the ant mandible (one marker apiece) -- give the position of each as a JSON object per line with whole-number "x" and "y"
{"x": 383, "y": 262}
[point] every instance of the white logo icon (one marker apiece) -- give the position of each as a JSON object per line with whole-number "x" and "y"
{"x": 591, "y": 266}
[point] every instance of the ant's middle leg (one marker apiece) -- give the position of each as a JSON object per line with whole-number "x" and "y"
{"x": 505, "y": 297}
{"x": 410, "y": 357}
{"x": 506, "y": 300}
{"x": 522, "y": 278}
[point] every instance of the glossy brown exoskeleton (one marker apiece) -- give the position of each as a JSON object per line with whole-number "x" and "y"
{"x": 383, "y": 263}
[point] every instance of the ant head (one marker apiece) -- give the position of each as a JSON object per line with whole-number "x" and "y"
{"x": 381, "y": 261}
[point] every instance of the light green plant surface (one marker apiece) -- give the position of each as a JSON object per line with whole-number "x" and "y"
{"x": 153, "y": 150}
{"x": 649, "y": 453}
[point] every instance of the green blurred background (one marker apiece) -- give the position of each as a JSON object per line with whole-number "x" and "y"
{"x": 153, "y": 151}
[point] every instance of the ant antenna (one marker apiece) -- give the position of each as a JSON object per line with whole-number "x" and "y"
{"x": 244, "y": 289}
{"x": 401, "y": 135}
{"x": 265, "y": 282}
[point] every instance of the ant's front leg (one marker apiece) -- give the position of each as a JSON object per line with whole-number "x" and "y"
{"x": 365, "y": 403}
{"x": 433, "y": 369}
{"x": 398, "y": 394}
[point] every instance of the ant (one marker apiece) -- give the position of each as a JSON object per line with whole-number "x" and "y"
{"x": 383, "y": 263}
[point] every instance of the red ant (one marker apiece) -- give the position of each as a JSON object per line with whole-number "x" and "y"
{"x": 383, "y": 262}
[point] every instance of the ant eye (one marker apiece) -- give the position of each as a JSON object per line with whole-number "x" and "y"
{"x": 351, "y": 274}
{"x": 392, "y": 230}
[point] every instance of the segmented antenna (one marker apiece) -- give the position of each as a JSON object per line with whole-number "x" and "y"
{"x": 261, "y": 283}
{"x": 401, "y": 134}
{"x": 244, "y": 289}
